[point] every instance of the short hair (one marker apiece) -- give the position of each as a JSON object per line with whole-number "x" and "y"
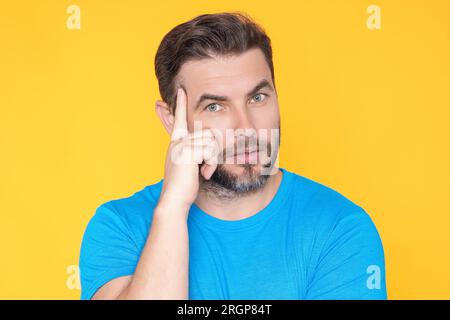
{"x": 207, "y": 35}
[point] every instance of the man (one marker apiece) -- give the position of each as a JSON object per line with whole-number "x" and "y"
{"x": 225, "y": 222}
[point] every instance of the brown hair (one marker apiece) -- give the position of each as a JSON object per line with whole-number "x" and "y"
{"x": 206, "y": 35}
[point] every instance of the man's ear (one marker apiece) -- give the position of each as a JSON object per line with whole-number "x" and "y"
{"x": 165, "y": 115}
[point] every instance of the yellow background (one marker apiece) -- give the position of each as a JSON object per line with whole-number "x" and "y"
{"x": 365, "y": 112}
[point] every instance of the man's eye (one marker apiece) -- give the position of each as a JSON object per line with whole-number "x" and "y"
{"x": 261, "y": 98}
{"x": 213, "y": 107}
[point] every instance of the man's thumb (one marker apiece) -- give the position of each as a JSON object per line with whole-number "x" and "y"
{"x": 207, "y": 170}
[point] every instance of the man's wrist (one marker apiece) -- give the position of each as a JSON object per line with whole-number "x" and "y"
{"x": 172, "y": 207}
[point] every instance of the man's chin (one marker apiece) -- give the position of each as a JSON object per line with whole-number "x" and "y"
{"x": 233, "y": 180}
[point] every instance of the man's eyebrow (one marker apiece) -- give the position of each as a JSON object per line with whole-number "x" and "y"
{"x": 207, "y": 96}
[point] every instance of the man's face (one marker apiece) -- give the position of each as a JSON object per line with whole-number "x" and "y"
{"x": 235, "y": 97}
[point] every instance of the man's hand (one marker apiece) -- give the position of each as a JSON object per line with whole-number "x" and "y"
{"x": 163, "y": 268}
{"x": 188, "y": 153}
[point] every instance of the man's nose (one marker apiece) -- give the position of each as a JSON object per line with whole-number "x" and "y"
{"x": 243, "y": 119}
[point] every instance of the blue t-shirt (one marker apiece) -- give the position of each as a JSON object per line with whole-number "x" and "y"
{"x": 309, "y": 242}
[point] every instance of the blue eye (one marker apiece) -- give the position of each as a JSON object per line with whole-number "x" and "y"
{"x": 213, "y": 107}
{"x": 262, "y": 95}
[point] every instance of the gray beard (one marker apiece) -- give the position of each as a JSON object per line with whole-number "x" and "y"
{"x": 226, "y": 186}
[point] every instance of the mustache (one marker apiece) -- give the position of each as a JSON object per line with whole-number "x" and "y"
{"x": 250, "y": 145}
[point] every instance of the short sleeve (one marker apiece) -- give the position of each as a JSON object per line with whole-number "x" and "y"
{"x": 351, "y": 264}
{"x": 108, "y": 251}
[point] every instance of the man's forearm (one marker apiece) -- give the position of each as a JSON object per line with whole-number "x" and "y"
{"x": 163, "y": 268}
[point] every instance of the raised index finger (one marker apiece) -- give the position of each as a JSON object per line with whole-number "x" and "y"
{"x": 180, "y": 129}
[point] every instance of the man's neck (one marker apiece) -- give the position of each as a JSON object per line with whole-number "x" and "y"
{"x": 243, "y": 206}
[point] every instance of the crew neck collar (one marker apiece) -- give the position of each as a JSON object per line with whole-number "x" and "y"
{"x": 204, "y": 219}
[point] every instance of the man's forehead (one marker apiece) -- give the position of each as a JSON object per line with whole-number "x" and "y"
{"x": 224, "y": 74}
{"x": 224, "y": 85}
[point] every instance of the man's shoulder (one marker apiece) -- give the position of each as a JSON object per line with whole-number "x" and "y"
{"x": 133, "y": 208}
{"x": 326, "y": 214}
{"x": 146, "y": 195}
{"x": 316, "y": 198}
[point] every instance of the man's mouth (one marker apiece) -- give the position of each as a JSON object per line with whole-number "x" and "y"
{"x": 246, "y": 157}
